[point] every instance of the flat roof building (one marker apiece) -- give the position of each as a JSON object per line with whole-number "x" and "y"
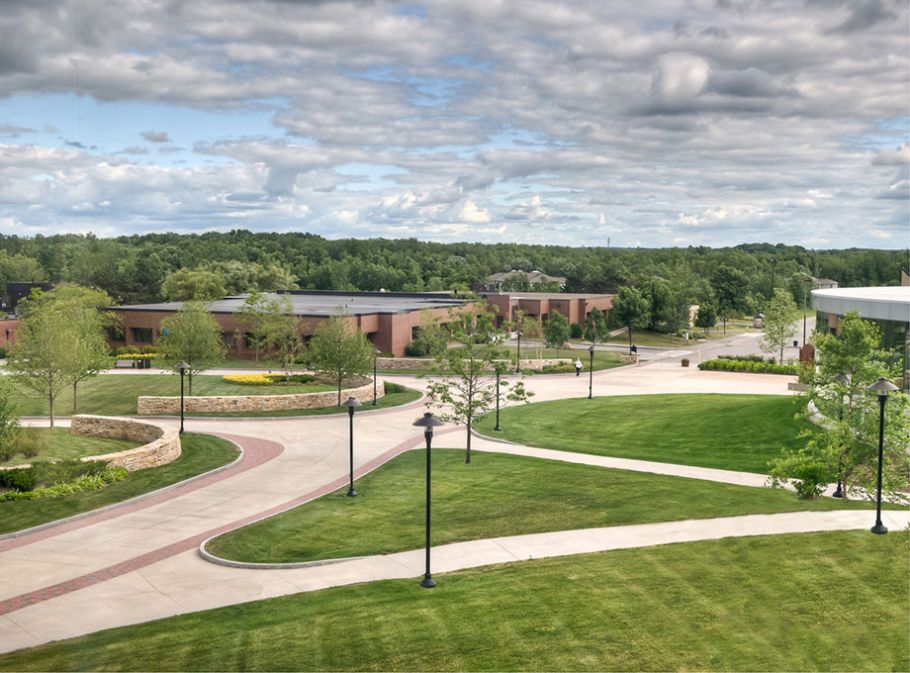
{"x": 389, "y": 319}
{"x": 889, "y": 307}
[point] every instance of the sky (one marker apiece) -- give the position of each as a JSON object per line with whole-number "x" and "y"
{"x": 652, "y": 124}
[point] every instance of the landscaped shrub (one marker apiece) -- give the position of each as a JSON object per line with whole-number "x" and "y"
{"x": 390, "y": 388}
{"x": 86, "y": 482}
{"x": 416, "y": 349}
{"x": 723, "y": 365}
{"x": 30, "y": 442}
{"x": 264, "y": 379}
{"x": 20, "y": 479}
{"x": 746, "y": 358}
{"x": 576, "y": 330}
{"x": 2, "y": 353}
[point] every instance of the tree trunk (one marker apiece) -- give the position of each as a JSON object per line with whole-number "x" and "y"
{"x": 75, "y": 383}
{"x": 50, "y": 399}
{"x": 190, "y": 383}
{"x": 630, "y": 338}
{"x": 467, "y": 458}
{"x": 781, "y": 360}
{"x": 725, "y": 323}
{"x": 339, "y": 389}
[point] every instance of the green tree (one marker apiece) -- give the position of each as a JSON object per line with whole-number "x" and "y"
{"x": 595, "y": 327}
{"x": 9, "y": 418}
{"x": 466, "y": 387}
{"x": 631, "y": 309}
{"x": 40, "y": 358}
{"x": 556, "y": 331}
{"x": 193, "y": 285}
{"x": 731, "y": 288}
{"x": 339, "y": 348}
{"x": 706, "y": 318}
{"x": 282, "y": 331}
{"x": 253, "y": 319}
{"x": 431, "y": 338}
{"x": 844, "y": 447}
{"x": 192, "y": 335}
{"x": 779, "y": 325}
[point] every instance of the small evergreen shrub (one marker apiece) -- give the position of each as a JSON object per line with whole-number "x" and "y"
{"x": 576, "y": 330}
{"x": 750, "y": 366}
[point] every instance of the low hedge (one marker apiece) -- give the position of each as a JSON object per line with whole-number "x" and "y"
{"x": 264, "y": 379}
{"x": 747, "y": 358}
{"x": 751, "y": 366}
{"x": 86, "y": 482}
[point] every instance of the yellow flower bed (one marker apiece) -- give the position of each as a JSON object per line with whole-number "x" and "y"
{"x": 262, "y": 379}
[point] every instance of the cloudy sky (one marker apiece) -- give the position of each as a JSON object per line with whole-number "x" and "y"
{"x": 666, "y": 122}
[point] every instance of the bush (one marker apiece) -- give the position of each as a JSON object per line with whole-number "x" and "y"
{"x": 751, "y": 366}
{"x": 20, "y": 479}
{"x": 392, "y": 388}
{"x": 416, "y": 349}
{"x": 86, "y": 482}
{"x": 30, "y": 442}
{"x": 746, "y": 358}
{"x": 264, "y": 379}
{"x": 576, "y": 330}
{"x": 2, "y": 353}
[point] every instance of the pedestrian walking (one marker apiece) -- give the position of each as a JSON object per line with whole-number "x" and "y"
{"x": 578, "y": 367}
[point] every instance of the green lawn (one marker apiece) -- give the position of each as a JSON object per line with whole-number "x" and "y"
{"x": 60, "y": 444}
{"x": 400, "y": 396}
{"x": 602, "y": 359}
{"x": 809, "y": 602}
{"x": 115, "y": 394}
{"x": 201, "y": 453}
{"x": 495, "y": 495}
{"x": 733, "y": 432}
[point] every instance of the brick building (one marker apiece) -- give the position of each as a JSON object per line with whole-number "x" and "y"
{"x": 576, "y": 307}
{"x": 389, "y": 319}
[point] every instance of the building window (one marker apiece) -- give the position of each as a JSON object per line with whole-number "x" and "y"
{"x": 141, "y": 335}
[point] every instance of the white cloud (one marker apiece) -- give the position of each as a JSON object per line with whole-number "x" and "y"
{"x": 471, "y": 213}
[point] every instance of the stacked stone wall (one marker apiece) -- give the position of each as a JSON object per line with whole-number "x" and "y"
{"x": 161, "y": 446}
{"x": 152, "y": 406}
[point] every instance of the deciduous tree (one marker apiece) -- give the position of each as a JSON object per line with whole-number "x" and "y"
{"x": 779, "y": 323}
{"x": 630, "y": 308}
{"x": 192, "y": 335}
{"x": 556, "y": 331}
{"x": 340, "y": 349}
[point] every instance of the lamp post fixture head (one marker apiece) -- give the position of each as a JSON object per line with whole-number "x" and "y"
{"x": 882, "y": 387}
{"x": 591, "y": 348}
{"x": 428, "y": 421}
{"x": 183, "y": 367}
{"x": 351, "y": 404}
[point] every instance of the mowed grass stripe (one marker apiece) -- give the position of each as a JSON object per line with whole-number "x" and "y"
{"x": 496, "y": 495}
{"x": 733, "y": 432}
{"x": 819, "y": 601}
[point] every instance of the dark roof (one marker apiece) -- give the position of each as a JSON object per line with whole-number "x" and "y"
{"x": 325, "y": 303}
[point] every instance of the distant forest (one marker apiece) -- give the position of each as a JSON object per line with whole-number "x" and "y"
{"x": 133, "y": 268}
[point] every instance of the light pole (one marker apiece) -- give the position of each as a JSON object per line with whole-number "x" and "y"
{"x": 881, "y": 388}
{"x": 518, "y": 360}
{"x": 182, "y": 367}
{"x": 428, "y": 421}
{"x": 843, "y": 380}
{"x": 376, "y": 352}
{"x": 591, "y": 373}
{"x": 351, "y": 404}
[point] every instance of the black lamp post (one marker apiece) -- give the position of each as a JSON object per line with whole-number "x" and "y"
{"x": 376, "y": 352}
{"x": 843, "y": 380}
{"x": 428, "y": 421}
{"x": 351, "y": 404}
{"x": 881, "y": 388}
{"x": 182, "y": 368}
{"x": 518, "y": 360}
{"x": 591, "y": 372}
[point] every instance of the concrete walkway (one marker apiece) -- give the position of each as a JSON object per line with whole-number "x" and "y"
{"x": 135, "y": 565}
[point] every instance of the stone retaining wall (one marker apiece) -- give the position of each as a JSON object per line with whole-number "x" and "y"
{"x": 152, "y": 406}
{"x": 161, "y": 446}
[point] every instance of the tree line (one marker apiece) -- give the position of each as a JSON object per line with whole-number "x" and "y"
{"x": 155, "y": 267}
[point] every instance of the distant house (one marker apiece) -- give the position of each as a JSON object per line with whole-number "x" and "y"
{"x": 521, "y": 281}
{"x": 824, "y": 283}
{"x": 905, "y": 278}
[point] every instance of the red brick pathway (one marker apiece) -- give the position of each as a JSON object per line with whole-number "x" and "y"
{"x": 143, "y": 560}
